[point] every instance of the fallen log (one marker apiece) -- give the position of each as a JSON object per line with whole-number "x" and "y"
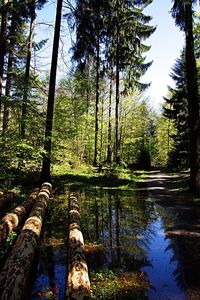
{"x": 16, "y": 216}
{"x": 78, "y": 283}
{"x": 15, "y": 272}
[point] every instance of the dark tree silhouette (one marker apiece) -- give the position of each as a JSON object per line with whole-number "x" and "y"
{"x": 183, "y": 15}
{"x": 45, "y": 173}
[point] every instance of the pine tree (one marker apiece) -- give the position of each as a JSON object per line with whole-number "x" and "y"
{"x": 176, "y": 110}
{"x": 182, "y": 13}
{"x": 128, "y": 28}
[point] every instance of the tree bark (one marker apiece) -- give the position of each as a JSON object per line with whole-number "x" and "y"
{"x": 78, "y": 283}
{"x": 101, "y": 130}
{"x": 193, "y": 102}
{"x": 15, "y": 272}
{"x": 117, "y": 150}
{"x": 45, "y": 173}
{"x": 27, "y": 71}
{"x": 7, "y": 92}
{"x": 109, "y": 149}
{"x": 16, "y": 216}
{"x": 97, "y": 106}
{"x": 4, "y": 17}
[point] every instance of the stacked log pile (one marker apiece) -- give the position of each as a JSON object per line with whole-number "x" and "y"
{"x": 78, "y": 283}
{"x": 15, "y": 272}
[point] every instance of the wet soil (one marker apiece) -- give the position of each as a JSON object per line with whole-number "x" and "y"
{"x": 164, "y": 188}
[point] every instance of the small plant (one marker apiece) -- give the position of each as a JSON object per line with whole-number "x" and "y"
{"x": 49, "y": 293}
{"x": 7, "y": 244}
{"x": 110, "y": 285}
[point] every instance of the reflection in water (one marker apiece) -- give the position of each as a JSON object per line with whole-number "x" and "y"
{"x": 118, "y": 211}
{"x": 131, "y": 230}
{"x": 162, "y": 267}
{"x": 129, "y": 235}
{"x": 51, "y": 271}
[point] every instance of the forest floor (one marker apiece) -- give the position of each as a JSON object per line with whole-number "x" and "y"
{"x": 169, "y": 190}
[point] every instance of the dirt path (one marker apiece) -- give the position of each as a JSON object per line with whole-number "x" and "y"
{"x": 184, "y": 232}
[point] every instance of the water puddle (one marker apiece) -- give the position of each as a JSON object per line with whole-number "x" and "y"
{"x": 163, "y": 265}
{"x": 125, "y": 240}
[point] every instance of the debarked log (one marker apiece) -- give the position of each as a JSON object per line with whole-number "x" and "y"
{"x": 78, "y": 283}
{"x": 16, "y": 216}
{"x": 14, "y": 275}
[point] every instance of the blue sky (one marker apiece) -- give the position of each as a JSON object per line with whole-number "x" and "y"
{"x": 166, "y": 45}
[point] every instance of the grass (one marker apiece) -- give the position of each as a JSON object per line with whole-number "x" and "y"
{"x": 112, "y": 177}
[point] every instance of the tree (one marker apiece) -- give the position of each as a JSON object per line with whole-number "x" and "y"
{"x": 45, "y": 172}
{"x": 15, "y": 36}
{"x": 176, "y": 110}
{"x": 4, "y": 19}
{"x": 32, "y": 6}
{"x": 88, "y": 17}
{"x": 182, "y": 13}
{"x": 126, "y": 31}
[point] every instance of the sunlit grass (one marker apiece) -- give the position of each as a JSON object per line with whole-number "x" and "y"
{"x": 110, "y": 176}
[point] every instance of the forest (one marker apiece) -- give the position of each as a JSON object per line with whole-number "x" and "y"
{"x": 84, "y": 154}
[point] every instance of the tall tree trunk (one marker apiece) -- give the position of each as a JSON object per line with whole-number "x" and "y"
{"x": 85, "y": 134}
{"x": 117, "y": 150}
{"x": 12, "y": 38}
{"x": 86, "y": 126}
{"x": 45, "y": 173}
{"x": 122, "y": 135}
{"x": 101, "y": 130}
{"x": 7, "y": 91}
{"x": 193, "y": 102}
{"x": 27, "y": 71}
{"x": 4, "y": 12}
{"x": 97, "y": 106}
{"x": 109, "y": 149}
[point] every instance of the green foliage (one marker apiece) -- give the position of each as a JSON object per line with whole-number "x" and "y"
{"x": 110, "y": 285}
{"x": 163, "y": 141}
{"x": 176, "y": 111}
{"x": 4, "y": 248}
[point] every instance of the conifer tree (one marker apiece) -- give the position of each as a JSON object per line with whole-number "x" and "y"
{"x": 183, "y": 15}
{"x": 128, "y": 29}
{"x": 176, "y": 110}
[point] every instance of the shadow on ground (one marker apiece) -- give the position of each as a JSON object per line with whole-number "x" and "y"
{"x": 170, "y": 191}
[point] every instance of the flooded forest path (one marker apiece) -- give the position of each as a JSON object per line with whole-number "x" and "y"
{"x": 181, "y": 224}
{"x": 146, "y": 234}
{"x": 142, "y": 240}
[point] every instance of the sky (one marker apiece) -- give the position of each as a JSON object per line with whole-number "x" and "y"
{"x": 166, "y": 45}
